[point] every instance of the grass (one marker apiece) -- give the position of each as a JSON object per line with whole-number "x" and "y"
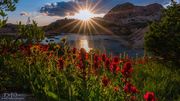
{"x": 162, "y": 79}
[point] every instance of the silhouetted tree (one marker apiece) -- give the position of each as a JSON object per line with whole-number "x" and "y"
{"x": 6, "y": 5}
{"x": 163, "y": 39}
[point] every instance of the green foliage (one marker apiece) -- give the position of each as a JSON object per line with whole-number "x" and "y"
{"x": 161, "y": 79}
{"x": 163, "y": 39}
{"x": 6, "y": 5}
{"x": 31, "y": 32}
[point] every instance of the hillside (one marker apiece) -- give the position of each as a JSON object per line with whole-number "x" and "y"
{"x": 135, "y": 19}
{"x": 126, "y": 13}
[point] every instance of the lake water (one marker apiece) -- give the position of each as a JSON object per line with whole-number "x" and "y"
{"x": 106, "y": 43}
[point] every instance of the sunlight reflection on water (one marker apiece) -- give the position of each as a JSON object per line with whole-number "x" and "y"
{"x": 84, "y": 44}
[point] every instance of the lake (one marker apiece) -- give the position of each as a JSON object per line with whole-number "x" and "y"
{"x": 111, "y": 44}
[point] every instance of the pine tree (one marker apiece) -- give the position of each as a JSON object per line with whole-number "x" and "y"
{"x": 163, "y": 38}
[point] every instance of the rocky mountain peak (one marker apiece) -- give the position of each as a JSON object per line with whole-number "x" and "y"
{"x": 123, "y": 6}
{"x": 129, "y": 13}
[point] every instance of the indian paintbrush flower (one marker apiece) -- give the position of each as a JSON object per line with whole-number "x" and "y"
{"x": 149, "y": 96}
{"x": 105, "y": 81}
{"x": 127, "y": 70}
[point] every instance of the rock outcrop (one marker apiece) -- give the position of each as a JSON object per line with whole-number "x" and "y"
{"x": 133, "y": 20}
{"x": 128, "y": 13}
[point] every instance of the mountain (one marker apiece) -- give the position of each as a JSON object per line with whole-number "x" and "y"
{"x": 128, "y": 13}
{"x": 135, "y": 19}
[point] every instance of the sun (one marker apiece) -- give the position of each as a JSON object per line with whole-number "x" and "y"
{"x": 84, "y": 15}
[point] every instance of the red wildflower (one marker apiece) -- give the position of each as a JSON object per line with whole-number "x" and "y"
{"x": 44, "y": 47}
{"x": 134, "y": 89}
{"x": 127, "y": 69}
{"x": 96, "y": 58}
{"x": 96, "y": 64}
{"x": 129, "y": 88}
{"x": 61, "y": 63}
{"x": 103, "y": 57}
{"x": 117, "y": 69}
{"x": 107, "y": 63}
{"x": 81, "y": 65}
{"x": 83, "y": 54}
{"x": 116, "y": 60}
{"x": 114, "y": 68}
{"x": 105, "y": 81}
{"x": 149, "y": 96}
{"x": 127, "y": 66}
{"x": 74, "y": 50}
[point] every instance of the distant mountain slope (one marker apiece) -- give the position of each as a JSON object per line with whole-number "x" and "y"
{"x": 135, "y": 19}
{"x": 128, "y": 13}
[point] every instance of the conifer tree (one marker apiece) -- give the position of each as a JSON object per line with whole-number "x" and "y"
{"x": 163, "y": 38}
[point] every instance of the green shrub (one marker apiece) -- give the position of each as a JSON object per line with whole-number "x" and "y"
{"x": 31, "y": 32}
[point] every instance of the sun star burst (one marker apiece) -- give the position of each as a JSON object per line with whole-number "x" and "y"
{"x": 84, "y": 15}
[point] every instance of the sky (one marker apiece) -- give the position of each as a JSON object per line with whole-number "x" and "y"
{"x": 47, "y": 11}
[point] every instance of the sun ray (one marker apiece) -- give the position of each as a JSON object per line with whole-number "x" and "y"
{"x": 80, "y": 28}
{"x": 89, "y": 27}
{"x": 68, "y": 24}
{"x": 95, "y": 5}
{"x": 91, "y": 24}
{"x": 105, "y": 29}
{"x": 75, "y": 26}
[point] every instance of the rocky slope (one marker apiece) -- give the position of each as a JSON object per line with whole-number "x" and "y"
{"x": 134, "y": 19}
{"x": 128, "y": 13}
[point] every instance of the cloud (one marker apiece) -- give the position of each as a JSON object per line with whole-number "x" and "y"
{"x": 24, "y": 13}
{"x": 59, "y": 9}
{"x": 170, "y": 2}
{"x": 100, "y": 6}
{"x": 70, "y": 7}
